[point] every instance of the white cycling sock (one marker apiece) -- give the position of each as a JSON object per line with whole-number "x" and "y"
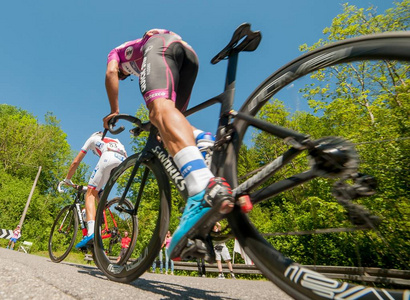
{"x": 191, "y": 164}
{"x": 90, "y": 227}
{"x": 197, "y": 132}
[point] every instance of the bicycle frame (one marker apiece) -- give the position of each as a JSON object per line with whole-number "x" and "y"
{"x": 80, "y": 197}
{"x": 106, "y": 233}
{"x": 155, "y": 148}
{"x": 224, "y": 164}
{"x": 228, "y": 140}
{"x": 77, "y": 206}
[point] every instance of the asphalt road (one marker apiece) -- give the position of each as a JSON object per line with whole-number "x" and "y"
{"x": 25, "y": 276}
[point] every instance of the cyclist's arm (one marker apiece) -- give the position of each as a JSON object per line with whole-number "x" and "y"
{"x": 74, "y": 165}
{"x": 111, "y": 85}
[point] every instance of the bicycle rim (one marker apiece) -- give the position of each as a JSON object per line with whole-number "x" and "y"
{"x": 356, "y": 89}
{"x": 150, "y": 198}
{"x": 63, "y": 234}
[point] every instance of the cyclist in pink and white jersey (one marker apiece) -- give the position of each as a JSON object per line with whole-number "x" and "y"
{"x": 111, "y": 153}
{"x": 167, "y": 68}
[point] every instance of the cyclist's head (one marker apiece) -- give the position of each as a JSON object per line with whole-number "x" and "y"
{"x": 98, "y": 133}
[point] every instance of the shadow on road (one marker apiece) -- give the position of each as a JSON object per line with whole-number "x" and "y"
{"x": 166, "y": 289}
{"x": 172, "y": 290}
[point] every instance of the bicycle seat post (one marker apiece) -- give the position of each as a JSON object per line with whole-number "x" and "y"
{"x": 243, "y": 39}
{"x": 231, "y": 72}
{"x": 230, "y": 81}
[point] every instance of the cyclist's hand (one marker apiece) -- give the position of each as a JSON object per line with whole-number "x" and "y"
{"x": 64, "y": 182}
{"x": 107, "y": 118}
{"x": 68, "y": 182}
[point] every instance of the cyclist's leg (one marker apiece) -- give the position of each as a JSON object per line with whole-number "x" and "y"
{"x": 158, "y": 90}
{"x": 108, "y": 161}
{"x": 90, "y": 197}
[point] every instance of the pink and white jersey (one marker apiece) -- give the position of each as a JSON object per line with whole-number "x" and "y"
{"x": 129, "y": 55}
{"x": 98, "y": 146}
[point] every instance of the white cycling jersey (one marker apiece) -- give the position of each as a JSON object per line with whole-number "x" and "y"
{"x": 111, "y": 153}
{"x": 98, "y": 146}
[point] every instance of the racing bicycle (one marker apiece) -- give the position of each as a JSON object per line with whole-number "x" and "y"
{"x": 64, "y": 232}
{"x": 340, "y": 149}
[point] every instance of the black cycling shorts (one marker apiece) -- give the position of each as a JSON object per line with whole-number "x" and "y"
{"x": 169, "y": 69}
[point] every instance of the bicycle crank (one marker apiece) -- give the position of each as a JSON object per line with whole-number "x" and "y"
{"x": 334, "y": 157}
{"x": 199, "y": 248}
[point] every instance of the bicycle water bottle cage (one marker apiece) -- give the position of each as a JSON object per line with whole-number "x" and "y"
{"x": 243, "y": 39}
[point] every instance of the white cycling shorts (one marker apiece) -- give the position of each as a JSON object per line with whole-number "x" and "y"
{"x": 108, "y": 161}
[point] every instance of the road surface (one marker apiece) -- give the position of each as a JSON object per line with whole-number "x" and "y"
{"x": 26, "y": 276}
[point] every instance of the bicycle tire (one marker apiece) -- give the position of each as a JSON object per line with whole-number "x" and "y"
{"x": 62, "y": 241}
{"x": 147, "y": 238}
{"x": 294, "y": 279}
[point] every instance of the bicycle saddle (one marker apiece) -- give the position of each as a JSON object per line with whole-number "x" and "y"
{"x": 243, "y": 39}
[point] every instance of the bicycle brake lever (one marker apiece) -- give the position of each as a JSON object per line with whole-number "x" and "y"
{"x": 136, "y": 131}
{"x": 104, "y": 133}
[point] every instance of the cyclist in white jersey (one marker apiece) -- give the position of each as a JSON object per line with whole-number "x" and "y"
{"x": 111, "y": 153}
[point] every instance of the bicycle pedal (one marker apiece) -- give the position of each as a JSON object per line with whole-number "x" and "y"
{"x": 245, "y": 203}
{"x": 194, "y": 249}
{"x": 84, "y": 249}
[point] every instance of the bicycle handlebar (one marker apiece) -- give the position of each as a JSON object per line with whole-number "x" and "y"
{"x": 79, "y": 188}
{"x": 142, "y": 126}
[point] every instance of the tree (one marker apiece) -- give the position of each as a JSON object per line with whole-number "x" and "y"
{"x": 368, "y": 104}
{"x": 25, "y": 144}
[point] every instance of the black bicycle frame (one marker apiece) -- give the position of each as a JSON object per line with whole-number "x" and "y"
{"x": 154, "y": 148}
{"x": 225, "y": 165}
{"x": 222, "y": 163}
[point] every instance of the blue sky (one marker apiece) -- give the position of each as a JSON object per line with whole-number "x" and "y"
{"x": 54, "y": 52}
